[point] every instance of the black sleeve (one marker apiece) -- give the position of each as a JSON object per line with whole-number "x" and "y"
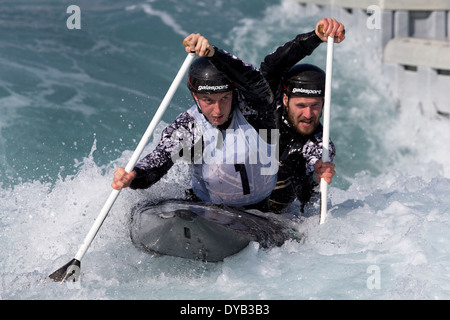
{"x": 276, "y": 64}
{"x": 248, "y": 79}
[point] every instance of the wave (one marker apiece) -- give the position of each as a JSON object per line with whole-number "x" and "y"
{"x": 389, "y": 208}
{"x": 165, "y": 17}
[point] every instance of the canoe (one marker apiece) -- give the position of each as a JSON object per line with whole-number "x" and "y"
{"x": 196, "y": 230}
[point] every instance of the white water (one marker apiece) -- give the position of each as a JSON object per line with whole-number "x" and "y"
{"x": 387, "y": 235}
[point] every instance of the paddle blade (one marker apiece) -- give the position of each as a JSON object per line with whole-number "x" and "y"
{"x": 69, "y": 271}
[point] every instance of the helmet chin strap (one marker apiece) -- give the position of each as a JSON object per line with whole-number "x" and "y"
{"x": 195, "y": 100}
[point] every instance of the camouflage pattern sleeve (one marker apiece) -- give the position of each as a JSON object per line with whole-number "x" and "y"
{"x": 175, "y": 138}
{"x": 312, "y": 151}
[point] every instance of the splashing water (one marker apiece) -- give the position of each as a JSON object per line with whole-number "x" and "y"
{"x": 74, "y": 105}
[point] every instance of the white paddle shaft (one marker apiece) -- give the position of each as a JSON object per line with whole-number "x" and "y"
{"x": 135, "y": 157}
{"x": 326, "y": 127}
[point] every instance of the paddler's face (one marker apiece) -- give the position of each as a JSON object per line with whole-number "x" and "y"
{"x": 215, "y": 107}
{"x": 303, "y": 113}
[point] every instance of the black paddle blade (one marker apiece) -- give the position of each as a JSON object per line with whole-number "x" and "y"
{"x": 70, "y": 271}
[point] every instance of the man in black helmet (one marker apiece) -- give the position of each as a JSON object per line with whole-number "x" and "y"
{"x": 299, "y": 92}
{"x": 224, "y": 134}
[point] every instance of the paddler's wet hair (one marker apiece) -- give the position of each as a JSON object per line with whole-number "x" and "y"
{"x": 304, "y": 80}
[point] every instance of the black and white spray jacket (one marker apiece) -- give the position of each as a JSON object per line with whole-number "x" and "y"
{"x": 298, "y": 153}
{"x": 251, "y": 95}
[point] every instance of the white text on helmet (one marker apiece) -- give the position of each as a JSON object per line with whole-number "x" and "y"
{"x": 306, "y": 91}
{"x": 213, "y": 88}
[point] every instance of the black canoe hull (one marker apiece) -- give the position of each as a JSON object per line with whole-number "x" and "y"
{"x": 202, "y": 231}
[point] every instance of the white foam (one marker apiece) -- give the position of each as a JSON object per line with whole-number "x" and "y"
{"x": 165, "y": 17}
{"x": 395, "y": 219}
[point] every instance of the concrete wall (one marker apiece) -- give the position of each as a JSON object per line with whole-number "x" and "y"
{"x": 413, "y": 42}
{"x": 385, "y": 4}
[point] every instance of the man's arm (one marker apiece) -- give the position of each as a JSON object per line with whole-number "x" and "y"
{"x": 176, "y": 138}
{"x": 248, "y": 79}
{"x": 276, "y": 64}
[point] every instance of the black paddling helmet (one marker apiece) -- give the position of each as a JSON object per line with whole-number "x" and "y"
{"x": 203, "y": 77}
{"x": 304, "y": 80}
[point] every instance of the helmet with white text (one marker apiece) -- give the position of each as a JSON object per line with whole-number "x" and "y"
{"x": 304, "y": 80}
{"x": 203, "y": 77}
